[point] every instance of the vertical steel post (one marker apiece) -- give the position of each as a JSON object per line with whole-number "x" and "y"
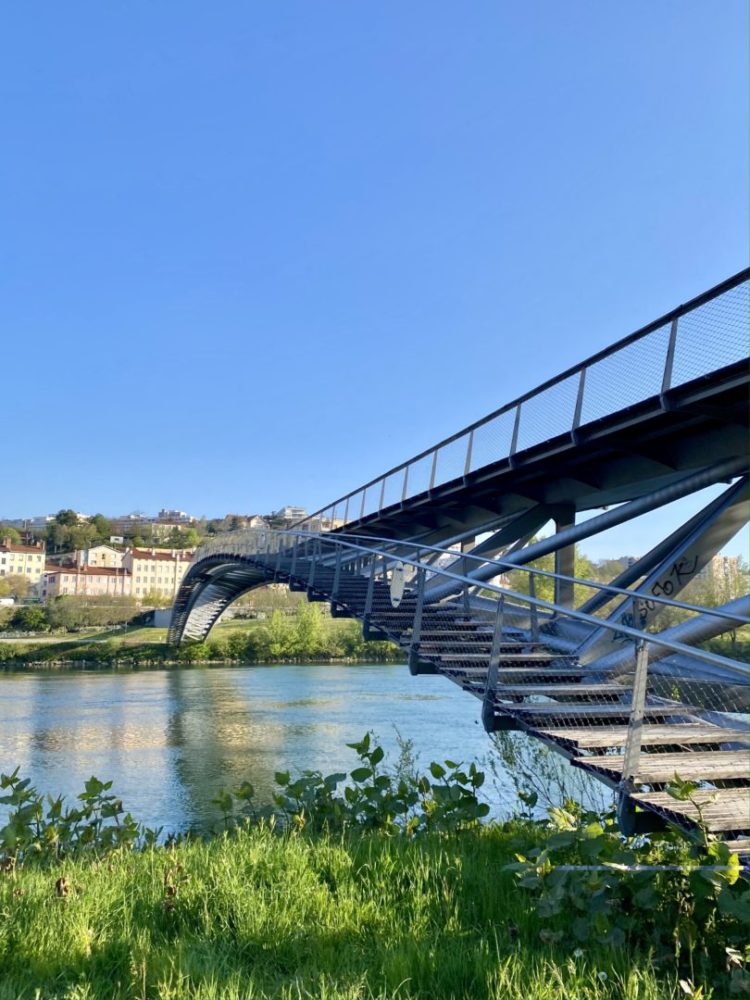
{"x": 565, "y": 558}
{"x": 336, "y": 575}
{"x": 416, "y": 629}
{"x": 370, "y": 591}
{"x": 311, "y": 574}
{"x": 666, "y": 382}
{"x": 382, "y": 495}
{"x": 634, "y": 739}
{"x": 497, "y": 637}
{"x": 434, "y": 468}
{"x": 293, "y": 569}
{"x": 362, "y": 507}
{"x": 404, "y": 492}
{"x": 533, "y": 612}
{"x": 346, "y": 511}
{"x": 514, "y": 438}
{"x": 488, "y": 702}
{"x": 469, "y": 446}
{"x": 579, "y": 405}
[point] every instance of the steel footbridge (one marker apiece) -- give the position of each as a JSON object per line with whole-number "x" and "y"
{"x": 441, "y": 555}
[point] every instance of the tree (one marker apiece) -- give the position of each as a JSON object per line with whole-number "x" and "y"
{"x": 309, "y": 631}
{"x": 278, "y": 635}
{"x": 14, "y": 585}
{"x": 74, "y": 612}
{"x": 9, "y": 533}
{"x": 154, "y": 599}
{"x": 66, "y": 517}
{"x": 102, "y": 526}
{"x": 29, "y": 619}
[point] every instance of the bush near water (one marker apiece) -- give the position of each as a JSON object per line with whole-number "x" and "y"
{"x": 305, "y": 636}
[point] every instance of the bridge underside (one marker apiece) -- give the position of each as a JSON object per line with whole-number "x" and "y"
{"x": 621, "y": 457}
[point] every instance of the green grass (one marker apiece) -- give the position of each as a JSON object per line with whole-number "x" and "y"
{"x": 294, "y": 916}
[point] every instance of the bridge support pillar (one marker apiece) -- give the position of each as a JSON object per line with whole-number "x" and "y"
{"x": 565, "y": 559}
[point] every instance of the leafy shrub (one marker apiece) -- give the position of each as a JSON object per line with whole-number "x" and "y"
{"x": 44, "y": 830}
{"x": 370, "y": 797}
{"x": 682, "y": 896}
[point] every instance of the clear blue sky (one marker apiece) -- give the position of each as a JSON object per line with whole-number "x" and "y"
{"x": 254, "y": 254}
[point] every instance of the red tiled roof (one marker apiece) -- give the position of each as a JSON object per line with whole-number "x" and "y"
{"x": 12, "y": 547}
{"x": 164, "y": 555}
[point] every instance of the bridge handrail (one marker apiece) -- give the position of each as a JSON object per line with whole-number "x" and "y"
{"x": 337, "y": 540}
{"x": 326, "y": 517}
{"x": 502, "y": 565}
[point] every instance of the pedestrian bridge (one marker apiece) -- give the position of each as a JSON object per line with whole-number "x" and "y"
{"x": 441, "y": 555}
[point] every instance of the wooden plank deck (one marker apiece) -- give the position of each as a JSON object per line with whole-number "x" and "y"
{"x": 576, "y": 710}
{"x": 722, "y": 809}
{"x": 561, "y": 690}
{"x": 687, "y": 733}
{"x": 503, "y": 672}
{"x": 657, "y": 768}
{"x": 532, "y": 657}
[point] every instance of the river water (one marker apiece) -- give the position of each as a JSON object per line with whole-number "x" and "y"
{"x": 170, "y": 739}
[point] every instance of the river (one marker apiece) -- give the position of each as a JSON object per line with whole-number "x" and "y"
{"x": 170, "y": 739}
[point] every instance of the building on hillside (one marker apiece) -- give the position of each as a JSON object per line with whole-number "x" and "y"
{"x": 95, "y": 555}
{"x": 723, "y": 571}
{"x": 38, "y": 524}
{"x": 238, "y": 522}
{"x": 100, "y": 555}
{"x": 22, "y": 560}
{"x": 174, "y": 517}
{"x": 151, "y": 529}
{"x": 157, "y": 571}
{"x": 89, "y": 581}
{"x": 287, "y": 515}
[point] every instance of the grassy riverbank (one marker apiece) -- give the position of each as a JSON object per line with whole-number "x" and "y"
{"x": 305, "y": 637}
{"x": 382, "y": 883}
{"x": 262, "y": 915}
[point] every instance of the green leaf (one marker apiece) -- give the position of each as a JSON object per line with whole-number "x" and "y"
{"x": 245, "y": 791}
{"x": 377, "y": 755}
{"x": 282, "y": 778}
{"x": 733, "y": 869}
{"x": 361, "y": 773}
{"x": 436, "y": 770}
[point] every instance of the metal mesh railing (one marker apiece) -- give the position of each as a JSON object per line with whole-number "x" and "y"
{"x": 696, "y": 340}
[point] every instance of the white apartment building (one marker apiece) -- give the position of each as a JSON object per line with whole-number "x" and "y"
{"x": 100, "y": 555}
{"x": 22, "y": 560}
{"x": 156, "y": 571}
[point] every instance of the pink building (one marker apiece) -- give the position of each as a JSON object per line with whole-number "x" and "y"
{"x": 93, "y": 581}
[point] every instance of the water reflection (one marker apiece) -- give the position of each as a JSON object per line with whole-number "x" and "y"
{"x": 170, "y": 739}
